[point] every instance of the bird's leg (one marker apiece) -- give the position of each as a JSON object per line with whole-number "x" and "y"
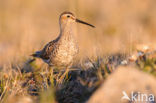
{"x": 50, "y": 76}
{"x": 50, "y": 69}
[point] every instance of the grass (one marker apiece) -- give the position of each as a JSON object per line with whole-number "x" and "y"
{"x": 77, "y": 86}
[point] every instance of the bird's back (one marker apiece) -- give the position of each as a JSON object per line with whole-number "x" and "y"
{"x": 46, "y": 51}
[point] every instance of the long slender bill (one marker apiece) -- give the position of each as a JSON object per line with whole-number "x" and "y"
{"x": 80, "y": 21}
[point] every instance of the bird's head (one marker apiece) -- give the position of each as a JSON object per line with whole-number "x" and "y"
{"x": 68, "y": 18}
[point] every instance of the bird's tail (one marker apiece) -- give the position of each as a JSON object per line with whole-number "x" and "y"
{"x": 30, "y": 61}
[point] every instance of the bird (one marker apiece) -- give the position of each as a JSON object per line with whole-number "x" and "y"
{"x": 61, "y": 51}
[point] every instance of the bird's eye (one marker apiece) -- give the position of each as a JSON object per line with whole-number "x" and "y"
{"x": 68, "y": 16}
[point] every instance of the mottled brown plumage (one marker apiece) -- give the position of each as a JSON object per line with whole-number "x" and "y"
{"x": 62, "y": 50}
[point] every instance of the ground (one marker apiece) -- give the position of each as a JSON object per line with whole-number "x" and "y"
{"x": 42, "y": 85}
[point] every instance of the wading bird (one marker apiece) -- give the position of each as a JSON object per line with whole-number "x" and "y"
{"x": 62, "y": 51}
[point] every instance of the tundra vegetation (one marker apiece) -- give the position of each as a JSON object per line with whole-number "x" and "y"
{"x": 124, "y": 36}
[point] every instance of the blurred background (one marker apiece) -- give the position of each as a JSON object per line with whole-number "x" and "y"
{"x": 27, "y": 25}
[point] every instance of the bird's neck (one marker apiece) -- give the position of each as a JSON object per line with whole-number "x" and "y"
{"x": 66, "y": 31}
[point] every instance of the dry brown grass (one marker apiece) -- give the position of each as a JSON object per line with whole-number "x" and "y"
{"x": 27, "y": 25}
